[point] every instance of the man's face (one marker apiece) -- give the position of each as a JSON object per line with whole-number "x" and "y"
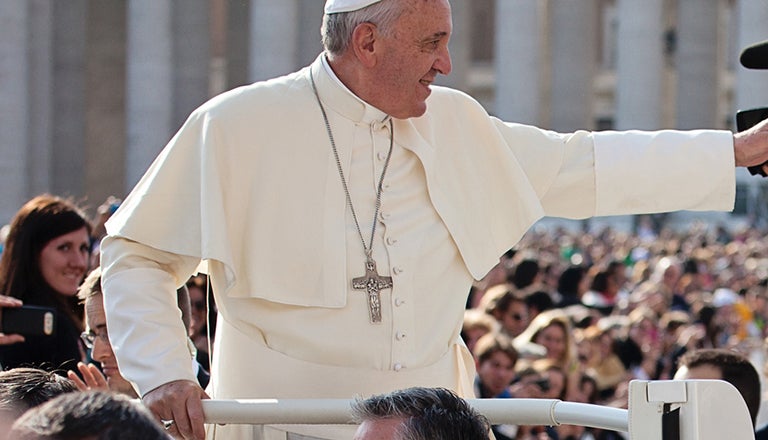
{"x": 496, "y": 372}
{"x": 379, "y": 429}
{"x": 515, "y": 319}
{"x": 102, "y": 349}
{"x": 412, "y": 57}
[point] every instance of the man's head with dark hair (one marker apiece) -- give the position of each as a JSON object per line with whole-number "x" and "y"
{"x": 97, "y": 415}
{"x": 511, "y": 311}
{"x": 539, "y": 301}
{"x": 569, "y": 280}
{"x": 419, "y": 414}
{"x": 726, "y": 365}
{"x": 24, "y": 388}
{"x": 525, "y": 273}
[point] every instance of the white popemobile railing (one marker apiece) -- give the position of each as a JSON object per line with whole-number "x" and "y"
{"x": 666, "y": 410}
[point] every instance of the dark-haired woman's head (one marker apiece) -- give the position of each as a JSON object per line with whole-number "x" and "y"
{"x": 47, "y": 249}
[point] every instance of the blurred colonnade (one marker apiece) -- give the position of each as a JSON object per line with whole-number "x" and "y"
{"x": 91, "y": 90}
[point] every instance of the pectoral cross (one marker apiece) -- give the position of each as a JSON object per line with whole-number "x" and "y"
{"x": 372, "y": 283}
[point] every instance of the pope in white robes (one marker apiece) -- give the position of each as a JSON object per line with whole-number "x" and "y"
{"x": 251, "y": 186}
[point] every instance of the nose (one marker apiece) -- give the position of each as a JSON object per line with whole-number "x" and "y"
{"x": 101, "y": 350}
{"x": 443, "y": 62}
{"x": 80, "y": 259}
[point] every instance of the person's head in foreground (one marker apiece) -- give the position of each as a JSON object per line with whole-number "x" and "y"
{"x": 24, "y": 388}
{"x": 722, "y": 364}
{"x": 418, "y": 414}
{"x": 92, "y": 415}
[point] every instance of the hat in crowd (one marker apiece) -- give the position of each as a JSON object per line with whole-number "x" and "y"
{"x": 755, "y": 56}
{"x": 336, "y": 6}
{"x": 724, "y": 297}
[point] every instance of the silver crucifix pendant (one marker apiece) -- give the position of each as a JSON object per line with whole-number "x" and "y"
{"x": 372, "y": 283}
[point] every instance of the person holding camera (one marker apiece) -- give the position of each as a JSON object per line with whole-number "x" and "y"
{"x": 45, "y": 259}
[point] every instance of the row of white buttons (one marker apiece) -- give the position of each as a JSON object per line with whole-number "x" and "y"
{"x": 382, "y": 156}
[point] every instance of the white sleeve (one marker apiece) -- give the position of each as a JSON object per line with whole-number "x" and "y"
{"x": 143, "y": 317}
{"x": 664, "y": 171}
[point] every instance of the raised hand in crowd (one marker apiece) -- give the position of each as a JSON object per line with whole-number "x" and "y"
{"x": 7, "y": 339}
{"x": 93, "y": 378}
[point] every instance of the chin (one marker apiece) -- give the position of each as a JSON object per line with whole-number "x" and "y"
{"x": 417, "y": 111}
{"x": 66, "y": 290}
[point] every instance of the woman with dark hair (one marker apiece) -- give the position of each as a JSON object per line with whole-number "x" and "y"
{"x": 45, "y": 259}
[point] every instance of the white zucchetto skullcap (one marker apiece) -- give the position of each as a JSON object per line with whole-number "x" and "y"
{"x": 336, "y": 6}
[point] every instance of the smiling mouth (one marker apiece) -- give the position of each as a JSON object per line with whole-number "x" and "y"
{"x": 72, "y": 276}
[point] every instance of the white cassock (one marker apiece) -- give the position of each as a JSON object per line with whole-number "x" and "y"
{"x": 250, "y": 185}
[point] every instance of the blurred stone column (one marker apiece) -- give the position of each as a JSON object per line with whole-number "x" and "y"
{"x": 105, "y": 100}
{"x": 459, "y": 46}
{"x": 697, "y": 64}
{"x": 751, "y": 88}
{"x": 237, "y": 42}
{"x": 149, "y": 95}
{"x": 518, "y": 58}
{"x": 309, "y": 42}
{"x": 639, "y": 66}
{"x": 40, "y": 142}
{"x": 191, "y": 57}
{"x": 67, "y": 164}
{"x": 14, "y": 106}
{"x": 273, "y": 38}
{"x": 574, "y": 42}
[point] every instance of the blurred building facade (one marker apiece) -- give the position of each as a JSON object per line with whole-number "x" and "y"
{"x": 91, "y": 90}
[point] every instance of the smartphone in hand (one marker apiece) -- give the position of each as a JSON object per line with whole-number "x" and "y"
{"x": 28, "y": 320}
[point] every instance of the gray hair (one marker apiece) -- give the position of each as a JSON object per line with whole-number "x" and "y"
{"x": 336, "y": 30}
{"x": 427, "y": 414}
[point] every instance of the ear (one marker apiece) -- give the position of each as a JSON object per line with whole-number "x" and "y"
{"x": 364, "y": 39}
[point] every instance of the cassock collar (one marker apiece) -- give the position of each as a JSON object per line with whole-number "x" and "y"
{"x": 336, "y": 96}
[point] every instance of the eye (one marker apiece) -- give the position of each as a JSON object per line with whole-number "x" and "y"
{"x": 431, "y": 46}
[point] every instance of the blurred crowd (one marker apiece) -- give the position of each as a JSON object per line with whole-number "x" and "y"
{"x": 566, "y": 314}
{"x": 576, "y": 316}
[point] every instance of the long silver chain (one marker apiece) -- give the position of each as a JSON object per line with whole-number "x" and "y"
{"x": 367, "y": 248}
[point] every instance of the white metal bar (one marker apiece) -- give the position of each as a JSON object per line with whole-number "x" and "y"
{"x": 594, "y": 416}
{"x": 336, "y": 411}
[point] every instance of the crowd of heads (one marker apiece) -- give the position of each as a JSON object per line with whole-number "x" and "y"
{"x": 50, "y": 261}
{"x": 585, "y": 313}
{"x": 565, "y": 315}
